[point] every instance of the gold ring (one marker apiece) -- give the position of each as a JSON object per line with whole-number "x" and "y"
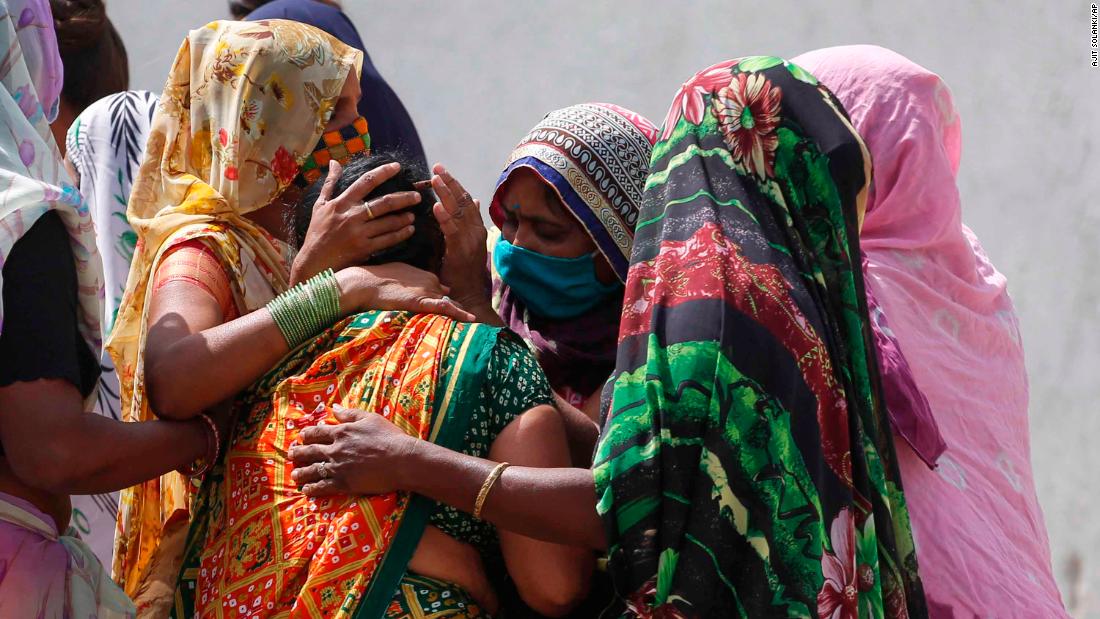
{"x": 370, "y": 212}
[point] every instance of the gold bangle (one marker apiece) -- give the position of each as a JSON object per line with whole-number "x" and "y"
{"x": 494, "y": 475}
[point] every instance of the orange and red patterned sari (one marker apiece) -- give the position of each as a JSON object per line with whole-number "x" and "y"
{"x": 258, "y": 546}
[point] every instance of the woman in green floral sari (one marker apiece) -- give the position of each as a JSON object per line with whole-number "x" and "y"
{"x": 746, "y": 467}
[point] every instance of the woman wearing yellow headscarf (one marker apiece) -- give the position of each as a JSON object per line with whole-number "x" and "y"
{"x": 243, "y": 107}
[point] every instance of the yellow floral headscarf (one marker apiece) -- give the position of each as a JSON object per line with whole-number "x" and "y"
{"x": 244, "y": 104}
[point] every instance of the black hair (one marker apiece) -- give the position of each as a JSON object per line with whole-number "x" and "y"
{"x": 92, "y": 52}
{"x": 424, "y": 249}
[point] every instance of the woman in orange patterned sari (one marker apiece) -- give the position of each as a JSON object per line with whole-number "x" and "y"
{"x": 259, "y": 547}
{"x": 244, "y": 105}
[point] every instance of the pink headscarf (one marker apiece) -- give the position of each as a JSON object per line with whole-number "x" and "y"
{"x": 981, "y": 542}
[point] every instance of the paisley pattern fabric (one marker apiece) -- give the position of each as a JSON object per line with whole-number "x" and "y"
{"x": 978, "y": 524}
{"x": 746, "y": 467}
{"x": 244, "y": 104}
{"x": 264, "y": 547}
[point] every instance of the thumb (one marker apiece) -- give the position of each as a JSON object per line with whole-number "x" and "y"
{"x": 347, "y": 415}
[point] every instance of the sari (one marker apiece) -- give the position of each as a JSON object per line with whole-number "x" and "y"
{"x": 44, "y": 572}
{"x": 261, "y": 545}
{"x": 219, "y": 147}
{"x": 595, "y": 156}
{"x": 746, "y": 467}
{"x": 976, "y": 519}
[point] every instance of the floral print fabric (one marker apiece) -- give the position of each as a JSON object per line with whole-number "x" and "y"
{"x": 243, "y": 106}
{"x": 746, "y": 467}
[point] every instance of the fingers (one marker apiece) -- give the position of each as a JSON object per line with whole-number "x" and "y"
{"x": 446, "y": 307}
{"x": 308, "y": 474}
{"x": 324, "y": 487}
{"x": 323, "y": 434}
{"x": 446, "y": 222}
{"x": 375, "y": 244}
{"x": 304, "y": 455}
{"x": 368, "y": 182}
{"x": 457, "y": 190}
{"x": 389, "y": 223}
{"x": 348, "y": 415}
{"x": 446, "y": 198}
{"x": 390, "y": 203}
{"x": 334, "y": 170}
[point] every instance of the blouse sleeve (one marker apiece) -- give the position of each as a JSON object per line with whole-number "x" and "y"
{"x": 40, "y": 338}
{"x": 194, "y": 263}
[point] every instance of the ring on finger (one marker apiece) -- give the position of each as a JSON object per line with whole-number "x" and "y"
{"x": 323, "y": 469}
{"x": 370, "y": 211}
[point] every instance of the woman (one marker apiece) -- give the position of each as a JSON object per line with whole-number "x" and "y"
{"x": 391, "y": 127}
{"x": 52, "y": 291}
{"x": 744, "y": 467}
{"x": 976, "y": 520}
{"x": 105, "y": 145}
{"x": 208, "y": 206}
{"x": 565, "y": 208}
{"x": 467, "y": 386}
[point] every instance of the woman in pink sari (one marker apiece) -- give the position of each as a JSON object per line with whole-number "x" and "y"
{"x": 979, "y": 531}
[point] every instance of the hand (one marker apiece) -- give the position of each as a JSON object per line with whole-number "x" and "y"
{"x": 396, "y": 286}
{"x": 345, "y": 231}
{"x": 465, "y": 263}
{"x": 364, "y": 454}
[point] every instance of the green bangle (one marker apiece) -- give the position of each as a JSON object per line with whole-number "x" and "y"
{"x": 306, "y": 309}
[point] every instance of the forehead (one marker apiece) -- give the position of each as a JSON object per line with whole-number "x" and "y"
{"x": 525, "y": 188}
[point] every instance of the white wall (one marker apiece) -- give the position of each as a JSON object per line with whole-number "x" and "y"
{"x": 476, "y": 75}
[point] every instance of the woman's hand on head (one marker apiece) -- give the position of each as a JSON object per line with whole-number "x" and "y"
{"x": 346, "y": 231}
{"x": 396, "y": 286}
{"x": 364, "y": 454}
{"x": 465, "y": 264}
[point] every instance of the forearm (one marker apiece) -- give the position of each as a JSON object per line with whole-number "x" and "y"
{"x": 554, "y": 505}
{"x": 197, "y": 371}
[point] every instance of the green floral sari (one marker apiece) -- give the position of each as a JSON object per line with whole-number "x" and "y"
{"x": 746, "y": 467}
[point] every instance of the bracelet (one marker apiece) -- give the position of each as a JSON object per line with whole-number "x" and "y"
{"x": 494, "y": 475}
{"x": 203, "y": 463}
{"x": 306, "y": 309}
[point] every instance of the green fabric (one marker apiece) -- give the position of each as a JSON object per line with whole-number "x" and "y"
{"x": 746, "y": 467}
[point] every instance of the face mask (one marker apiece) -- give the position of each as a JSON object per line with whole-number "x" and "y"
{"x": 555, "y": 288}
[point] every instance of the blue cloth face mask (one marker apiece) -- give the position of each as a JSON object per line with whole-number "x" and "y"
{"x": 555, "y": 288}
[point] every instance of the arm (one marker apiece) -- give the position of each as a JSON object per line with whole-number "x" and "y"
{"x": 580, "y": 430}
{"x": 552, "y": 578}
{"x": 53, "y": 445}
{"x": 373, "y": 456}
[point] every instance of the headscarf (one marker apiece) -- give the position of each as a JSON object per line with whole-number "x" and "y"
{"x": 391, "y": 127}
{"x": 595, "y": 156}
{"x": 978, "y": 525}
{"x": 244, "y": 104}
{"x": 745, "y": 467}
{"x": 33, "y": 179}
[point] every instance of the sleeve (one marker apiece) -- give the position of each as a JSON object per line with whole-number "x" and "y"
{"x": 39, "y": 337}
{"x": 516, "y": 381}
{"x": 196, "y": 264}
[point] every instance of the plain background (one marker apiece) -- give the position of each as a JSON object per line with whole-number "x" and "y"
{"x": 476, "y": 75}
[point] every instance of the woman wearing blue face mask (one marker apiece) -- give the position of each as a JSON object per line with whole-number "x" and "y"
{"x": 565, "y": 208}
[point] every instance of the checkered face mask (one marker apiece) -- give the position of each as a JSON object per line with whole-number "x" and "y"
{"x": 340, "y": 145}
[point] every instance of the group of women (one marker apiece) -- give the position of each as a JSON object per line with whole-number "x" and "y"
{"x": 747, "y": 363}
